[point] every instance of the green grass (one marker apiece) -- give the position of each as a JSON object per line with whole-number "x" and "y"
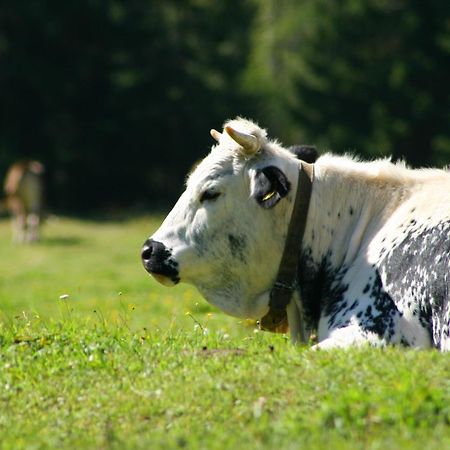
{"x": 124, "y": 363}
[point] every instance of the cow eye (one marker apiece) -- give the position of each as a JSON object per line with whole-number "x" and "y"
{"x": 209, "y": 195}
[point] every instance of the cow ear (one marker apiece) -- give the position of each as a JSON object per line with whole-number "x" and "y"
{"x": 307, "y": 153}
{"x": 270, "y": 186}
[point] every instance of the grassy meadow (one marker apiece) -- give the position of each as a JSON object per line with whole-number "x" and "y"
{"x": 95, "y": 354}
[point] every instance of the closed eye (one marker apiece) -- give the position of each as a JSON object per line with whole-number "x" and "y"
{"x": 208, "y": 195}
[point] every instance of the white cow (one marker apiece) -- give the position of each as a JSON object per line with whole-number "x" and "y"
{"x": 374, "y": 263}
{"x": 24, "y": 189}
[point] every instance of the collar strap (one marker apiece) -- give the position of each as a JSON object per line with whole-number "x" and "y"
{"x": 286, "y": 281}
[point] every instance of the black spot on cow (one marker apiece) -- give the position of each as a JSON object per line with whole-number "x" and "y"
{"x": 413, "y": 275}
{"x": 418, "y": 276}
{"x": 354, "y": 305}
{"x": 310, "y": 277}
{"x": 404, "y": 342}
{"x": 322, "y": 289}
{"x": 237, "y": 246}
{"x": 351, "y": 211}
{"x": 307, "y": 153}
{"x": 381, "y": 316}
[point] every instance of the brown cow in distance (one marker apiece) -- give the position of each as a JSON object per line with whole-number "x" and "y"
{"x": 24, "y": 189}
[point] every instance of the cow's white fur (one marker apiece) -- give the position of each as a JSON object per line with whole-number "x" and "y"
{"x": 356, "y": 207}
{"x": 382, "y": 195}
{"x": 236, "y": 288}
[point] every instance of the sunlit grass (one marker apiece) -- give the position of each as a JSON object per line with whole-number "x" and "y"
{"x": 97, "y": 266}
{"x": 95, "y": 354}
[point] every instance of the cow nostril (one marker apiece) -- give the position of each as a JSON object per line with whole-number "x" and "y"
{"x": 146, "y": 253}
{"x": 157, "y": 260}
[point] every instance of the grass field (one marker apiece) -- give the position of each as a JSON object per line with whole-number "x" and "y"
{"x": 124, "y": 363}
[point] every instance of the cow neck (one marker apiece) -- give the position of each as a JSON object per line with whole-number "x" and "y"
{"x": 286, "y": 281}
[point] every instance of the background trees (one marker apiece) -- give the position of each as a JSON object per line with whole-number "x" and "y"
{"x": 117, "y": 97}
{"x": 370, "y": 76}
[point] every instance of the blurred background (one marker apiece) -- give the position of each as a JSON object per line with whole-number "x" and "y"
{"x": 116, "y": 97}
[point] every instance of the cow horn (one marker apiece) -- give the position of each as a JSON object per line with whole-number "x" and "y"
{"x": 248, "y": 141}
{"x": 215, "y": 134}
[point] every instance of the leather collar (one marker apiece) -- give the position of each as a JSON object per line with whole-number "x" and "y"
{"x": 286, "y": 282}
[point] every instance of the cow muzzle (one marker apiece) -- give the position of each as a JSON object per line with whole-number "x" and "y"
{"x": 158, "y": 262}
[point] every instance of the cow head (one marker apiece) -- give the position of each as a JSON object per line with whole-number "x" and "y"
{"x": 226, "y": 233}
